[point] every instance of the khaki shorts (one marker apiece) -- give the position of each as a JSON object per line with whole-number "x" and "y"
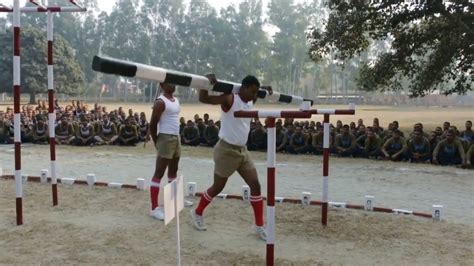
{"x": 229, "y": 158}
{"x": 168, "y": 146}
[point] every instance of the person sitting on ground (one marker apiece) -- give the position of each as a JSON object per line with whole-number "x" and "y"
{"x": 360, "y": 123}
{"x": 143, "y": 127}
{"x": 85, "y": 133}
{"x": 196, "y": 118}
{"x": 128, "y": 134}
{"x": 467, "y": 135}
{"x": 449, "y": 151}
{"x": 439, "y": 133}
{"x": 317, "y": 140}
{"x": 64, "y": 131}
{"x": 191, "y": 134}
{"x": 182, "y": 125}
{"x": 418, "y": 148}
{"x": 201, "y": 127}
{"x": 107, "y": 133}
{"x": 338, "y": 128}
{"x": 40, "y": 133}
{"x": 298, "y": 142}
{"x": 26, "y": 129}
{"x": 353, "y": 128}
{"x": 280, "y": 138}
{"x": 345, "y": 143}
{"x": 4, "y": 132}
{"x": 372, "y": 145}
{"x": 206, "y": 119}
{"x": 470, "y": 157}
{"x": 446, "y": 126}
{"x": 376, "y": 128}
{"x": 290, "y": 130}
{"x": 258, "y": 138}
{"x": 360, "y": 140}
{"x": 211, "y": 133}
{"x": 394, "y": 148}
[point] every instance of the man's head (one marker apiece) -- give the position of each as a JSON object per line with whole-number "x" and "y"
{"x": 182, "y": 120}
{"x": 438, "y": 131}
{"x": 361, "y": 129}
{"x": 189, "y": 123}
{"x": 338, "y": 124}
{"x": 450, "y": 135}
{"x": 211, "y": 122}
{"x": 370, "y": 132}
{"x": 446, "y": 125}
{"x": 168, "y": 88}
{"x": 345, "y": 129}
{"x": 396, "y": 134}
{"x": 468, "y": 124}
{"x": 417, "y": 134}
{"x": 206, "y": 117}
{"x": 249, "y": 89}
{"x": 395, "y": 124}
{"x": 360, "y": 122}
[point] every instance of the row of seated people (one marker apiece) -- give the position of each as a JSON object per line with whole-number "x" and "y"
{"x": 80, "y": 131}
{"x": 445, "y": 146}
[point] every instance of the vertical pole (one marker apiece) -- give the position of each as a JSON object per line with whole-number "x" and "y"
{"x": 326, "y": 134}
{"x": 16, "y": 107}
{"x": 51, "y": 110}
{"x": 176, "y": 214}
{"x": 271, "y": 149}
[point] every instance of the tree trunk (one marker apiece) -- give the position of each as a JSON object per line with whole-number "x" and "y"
{"x": 32, "y": 97}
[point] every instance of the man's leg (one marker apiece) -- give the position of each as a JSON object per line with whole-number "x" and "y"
{"x": 160, "y": 168}
{"x": 251, "y": 178}
{"x": 210, "y": 193}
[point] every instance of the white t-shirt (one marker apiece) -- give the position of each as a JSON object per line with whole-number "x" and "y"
{"x": 169, "y": 121}
{"x": 235, "y": 130}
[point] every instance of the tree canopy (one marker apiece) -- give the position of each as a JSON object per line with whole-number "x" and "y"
{"x": 429, "y": 43}
{"x": 68, "y": 75}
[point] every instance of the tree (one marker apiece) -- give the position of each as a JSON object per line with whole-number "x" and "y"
{"x": 431, "y": 43}
{"x": 68, "y": 75}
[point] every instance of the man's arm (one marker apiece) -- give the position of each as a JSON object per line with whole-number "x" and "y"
{"x": 158, "y": 109}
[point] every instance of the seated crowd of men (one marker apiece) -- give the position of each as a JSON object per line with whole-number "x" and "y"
{"x": 445, "y": 145}
{"x": 76, "y": 125}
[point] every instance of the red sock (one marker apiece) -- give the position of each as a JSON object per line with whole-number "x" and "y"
{"x": 154, "y": 192}
{"x": 206, "y": 198}
{"x": 257, "y": 205}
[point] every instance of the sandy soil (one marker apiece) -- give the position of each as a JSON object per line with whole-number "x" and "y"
{"x": 108, "y": 226}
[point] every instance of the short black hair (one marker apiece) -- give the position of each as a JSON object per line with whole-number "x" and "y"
{"x": 250, "y": 80}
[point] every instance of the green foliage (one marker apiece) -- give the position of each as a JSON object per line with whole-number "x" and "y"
{"x": 431, "y": 43}
{"x": 67, "y": 72}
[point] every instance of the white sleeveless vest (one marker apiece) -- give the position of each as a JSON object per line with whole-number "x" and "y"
{"x": 169, "y": 120}
{"x": 235, "y": 130}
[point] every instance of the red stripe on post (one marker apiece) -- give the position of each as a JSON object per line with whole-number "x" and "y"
{"x": 295, "y": 114}
{"x": 324, "y": 214}
{"x": 344, "y": 112}
{"x": 54, "y": 9}
{"x": 17, "y": 155}
{"x": 270, "y": 254}
{"x": 54, "y": 188}
{"x": 16, "y": 41}
{"x": 16, "y": 99}
{"x": 50, "y": 52}
{"x": 325, "y": 162}
{"x": 246, "y": 114}
{"x": 52, "y": 148}
{"x": 271, "y": 186}
{"x": 50, "y": 101}
{"x": 19, "y": 211}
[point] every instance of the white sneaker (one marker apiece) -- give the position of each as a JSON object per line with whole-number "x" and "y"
{"x": 158, "y": 213}
{"x": 262, "y": 233}
{"x": 198, "y": 221}
{"x": 188, "y": 203}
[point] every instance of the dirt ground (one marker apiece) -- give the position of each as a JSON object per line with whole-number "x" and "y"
{"x": 110, "y": 226}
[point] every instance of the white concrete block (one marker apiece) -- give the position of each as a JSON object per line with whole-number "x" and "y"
{"x": 140, "y": 184}
{"x": 44, "y": 176}
{"x": 306, "y": 198}
{"x": 191, "y": 189}
{"x": 437, "y": 212}
{"x": 337, "y": 205}
{"x": 91, "y": 179}
{"x": 68, "y": 180}
{"x": 115, "y": 185}
{"x": 246, "y": 193}
{"x": 369, "y": 203}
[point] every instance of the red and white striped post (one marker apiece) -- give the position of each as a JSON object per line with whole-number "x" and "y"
{"x": 16, "y": 110}
{"x": 326, "y": 152}
{"x": 271, "y": 163}
{"x": 51, "y": 110}
{"x": 16, "y": 92}
{"x": 271, "y": 158}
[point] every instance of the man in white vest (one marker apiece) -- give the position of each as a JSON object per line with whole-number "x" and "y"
{"x": 230, "y": 152}
{"x": 164, "y": 131}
